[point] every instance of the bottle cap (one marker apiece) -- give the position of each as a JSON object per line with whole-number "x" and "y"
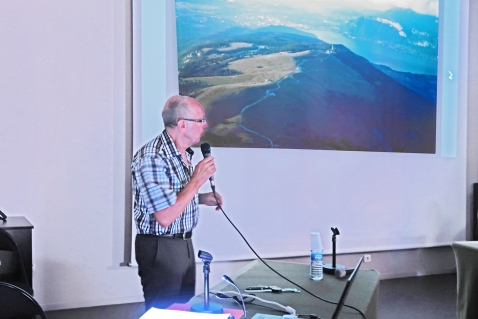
{"x": 315, "y": 241}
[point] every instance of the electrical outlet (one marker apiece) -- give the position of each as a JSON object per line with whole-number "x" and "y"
{"x": 367, "y": 258}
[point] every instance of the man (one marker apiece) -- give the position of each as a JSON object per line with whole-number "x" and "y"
{"x": 165, "y": 186}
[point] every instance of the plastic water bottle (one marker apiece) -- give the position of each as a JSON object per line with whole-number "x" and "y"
{"x": 316, "y": 257}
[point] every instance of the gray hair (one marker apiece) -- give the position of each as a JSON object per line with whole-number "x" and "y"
{"x": 176, "y": 108}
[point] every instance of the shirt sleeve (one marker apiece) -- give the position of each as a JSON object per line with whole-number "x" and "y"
{"x": 156, "y": 188}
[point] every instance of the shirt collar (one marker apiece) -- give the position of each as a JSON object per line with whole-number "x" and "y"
{"x": 170, "y": 148}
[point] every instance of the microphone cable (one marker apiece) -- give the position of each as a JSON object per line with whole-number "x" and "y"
{"x": 272, "y": 269}
{"x": 225, "y": 294}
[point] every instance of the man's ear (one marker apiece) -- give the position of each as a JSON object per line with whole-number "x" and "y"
{"x": 182, "y": 125}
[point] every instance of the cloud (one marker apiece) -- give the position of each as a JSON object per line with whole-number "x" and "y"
{"x": 429, "y": 7}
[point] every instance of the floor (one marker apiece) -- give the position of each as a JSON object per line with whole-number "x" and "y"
{"x": 424, "y": 297}
{"x": 427, "y": 297}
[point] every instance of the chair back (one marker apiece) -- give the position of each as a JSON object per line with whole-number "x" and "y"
{"x": 12, "y": 268}
{"x": 17, "y": 303}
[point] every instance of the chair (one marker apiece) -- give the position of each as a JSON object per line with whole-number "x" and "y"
{"x": 12, "y": 268}
{"x": 17, "y": 303}
{"x": 466, "y": 254}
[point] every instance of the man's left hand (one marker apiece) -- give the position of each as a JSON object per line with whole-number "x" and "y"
{"x": 208, "y": 199}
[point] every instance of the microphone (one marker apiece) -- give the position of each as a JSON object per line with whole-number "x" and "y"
{"x": 340, "y": 272}
{"x": 229, "y": 281}
{"x": 206, "y": 152}
{"x": 206, "y": 307}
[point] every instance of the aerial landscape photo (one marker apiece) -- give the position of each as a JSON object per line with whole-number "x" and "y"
{"x": 321, "y": 75}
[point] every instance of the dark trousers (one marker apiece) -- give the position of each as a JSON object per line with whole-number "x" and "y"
{"x": 167, "y": 269}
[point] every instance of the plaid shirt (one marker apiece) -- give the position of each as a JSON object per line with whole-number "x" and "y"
{"x": 159, "y": 173}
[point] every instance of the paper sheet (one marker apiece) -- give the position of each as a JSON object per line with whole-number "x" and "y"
{"x": 155, "y": 313}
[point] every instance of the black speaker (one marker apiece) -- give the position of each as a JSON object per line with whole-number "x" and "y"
{"x": 475, "y": 211}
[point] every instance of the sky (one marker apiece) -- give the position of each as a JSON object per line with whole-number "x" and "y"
{"x": 429, "y": 7}
{"x": 421, "y": 6}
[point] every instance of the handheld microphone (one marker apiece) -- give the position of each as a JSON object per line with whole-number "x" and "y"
{"x": 206, "y": 152}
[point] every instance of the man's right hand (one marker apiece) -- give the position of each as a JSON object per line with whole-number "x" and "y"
{"x": 204, "y": 169}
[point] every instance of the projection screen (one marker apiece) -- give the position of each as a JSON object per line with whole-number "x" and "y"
{"x": 379, "y": 200}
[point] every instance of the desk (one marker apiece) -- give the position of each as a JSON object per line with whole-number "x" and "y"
{"x": 363, "y": 294}
{"x": 21, "y": 231}
{"x": 466, "y": 255}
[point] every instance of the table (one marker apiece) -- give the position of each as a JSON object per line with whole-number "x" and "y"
{"x": 363, "y": 294}
{"x": 466, "y": 255}
{"x": 21, "y": 231}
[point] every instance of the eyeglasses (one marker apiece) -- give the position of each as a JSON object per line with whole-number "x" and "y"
{"x": 197, "y": 121}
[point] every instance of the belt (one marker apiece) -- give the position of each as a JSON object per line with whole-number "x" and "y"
{"x": 182, "y": 236}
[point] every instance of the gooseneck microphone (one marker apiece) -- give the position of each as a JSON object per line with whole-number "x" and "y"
{"x": 229, "y": 281}
{"x": 206, "y": 152}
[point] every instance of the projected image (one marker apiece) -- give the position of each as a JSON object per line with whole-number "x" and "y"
{"x": 301, "y": 74}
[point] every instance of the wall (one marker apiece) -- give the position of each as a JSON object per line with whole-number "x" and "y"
{"x": 65, "y": 121}
{"x": 472, "y": 147}
{"x": 63, "y": 106}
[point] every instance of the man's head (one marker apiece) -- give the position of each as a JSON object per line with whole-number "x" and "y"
{"x": 184, "y": 118}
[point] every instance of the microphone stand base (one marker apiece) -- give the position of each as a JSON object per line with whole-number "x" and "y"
{"x": 211, "y": 308}
{"x": 330, "y": 269}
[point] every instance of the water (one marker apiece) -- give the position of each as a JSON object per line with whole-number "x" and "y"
{"x": 316, "y": 265}
{"x": 378, "y": 54}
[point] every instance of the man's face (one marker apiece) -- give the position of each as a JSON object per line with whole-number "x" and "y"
{"x": 195, "y": 128}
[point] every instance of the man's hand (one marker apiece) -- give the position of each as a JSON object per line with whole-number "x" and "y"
{"x": 209, "y": 200}
{"x": 202, "y": 172}
{"x": 204, "y": 169}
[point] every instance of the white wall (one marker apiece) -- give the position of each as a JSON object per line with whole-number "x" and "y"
{"x": 64, "y": 126}
{"x": 472, "y": 147}
{"x": 63, "y": 105}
